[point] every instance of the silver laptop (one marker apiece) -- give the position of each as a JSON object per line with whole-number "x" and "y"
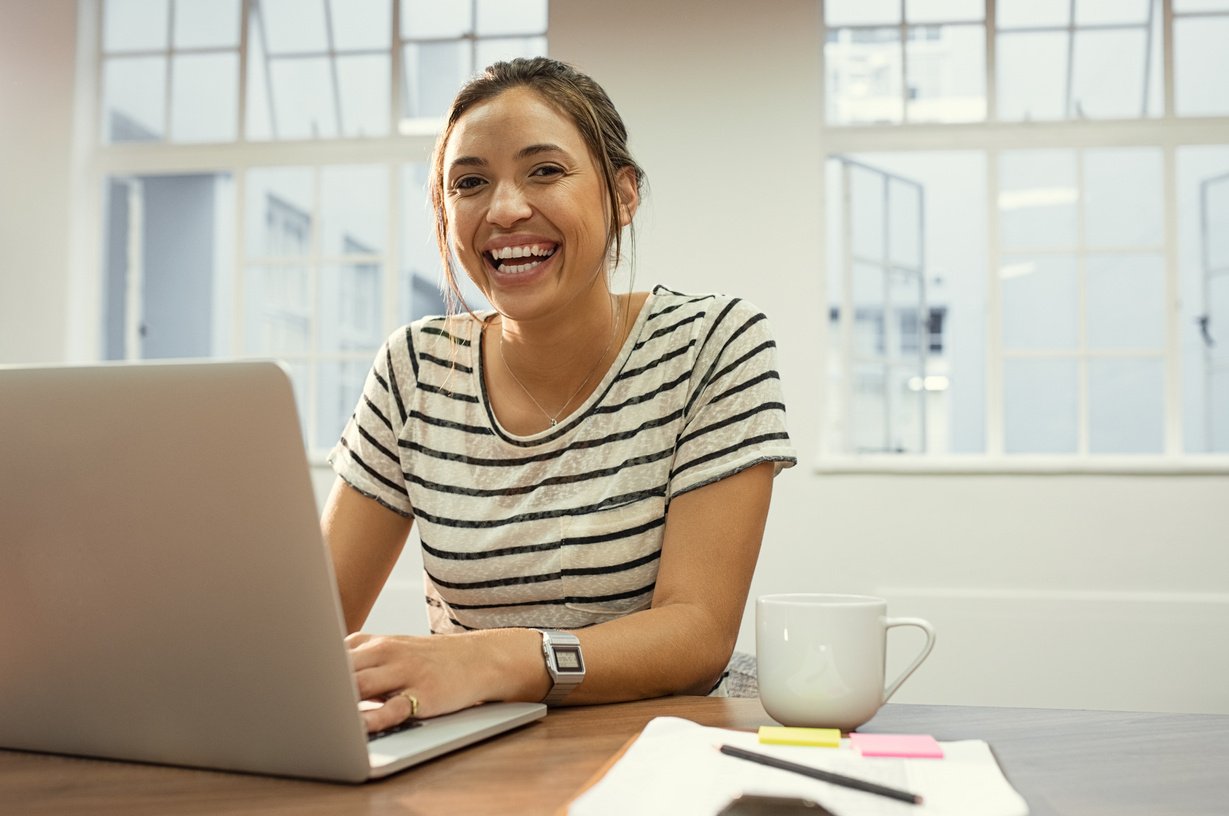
{"x": 165, "y": 592}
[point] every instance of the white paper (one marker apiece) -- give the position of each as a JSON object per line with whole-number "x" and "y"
{"x": 674, "y": 767}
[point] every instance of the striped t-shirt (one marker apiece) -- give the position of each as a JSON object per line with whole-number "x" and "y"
{"x": 563, "y": 528}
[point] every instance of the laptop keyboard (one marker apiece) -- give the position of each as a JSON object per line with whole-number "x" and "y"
{"x": 396, "y": 729}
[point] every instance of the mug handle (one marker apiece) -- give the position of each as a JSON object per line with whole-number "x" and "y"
{"x": 925, "y": 626}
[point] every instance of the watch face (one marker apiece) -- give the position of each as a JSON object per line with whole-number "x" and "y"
{"x": 567, "y": 659}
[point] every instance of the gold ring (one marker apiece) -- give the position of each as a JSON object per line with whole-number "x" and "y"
{"x": 413, "y": 701}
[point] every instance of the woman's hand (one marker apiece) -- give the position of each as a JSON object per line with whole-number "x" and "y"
{"x": 445, "y": 673}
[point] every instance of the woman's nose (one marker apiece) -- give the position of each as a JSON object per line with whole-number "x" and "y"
{"x": 508, "y": 205}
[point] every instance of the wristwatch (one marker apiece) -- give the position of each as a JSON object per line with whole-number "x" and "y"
{"x": 564, "y": 662}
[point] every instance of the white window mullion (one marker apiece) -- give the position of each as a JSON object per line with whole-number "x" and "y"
{"x": 995, "y": 380}
{"x": 238, "y": 262}
{"x": 242, "y": 113}
{"x": 1174, "y": 443}
{"x": 847, "y": 311}
{"x": 168, "y": 90}
{"x": 1082, "y": 446}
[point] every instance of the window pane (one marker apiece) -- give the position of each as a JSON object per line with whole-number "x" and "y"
{"x": 1215, "y": 218}
{"x": 277, "y": 309}
{"x": 279, "y": 212}
{"x": 349, "y": 309}
{"x": 1126, "y": 301}
{"x": 868, "y": 294}
{"x": 304, "y": 104}
{"x": 1108, "y": 80}
{"x": 1126, "y": 410}
{"x": 861, "y": 12}
{"x": 1037, "y": 199}
{"x": 354, "y": 203}
{"x": 1032, "y": 76}
{"x": 338, "y": 385}
{"x": 1203, "y": 259}
{"x": 1040, "y": 406}
{"x": 185, "y": 298}
{"x": 904, "y": 309}
{"x": 489, "y": 51}
{"x": 433, "y": 74}
{"x": 1040, "y": 303}
{"x": 868, "y": 416}
{"x": 863, "y": 75}
{"x": 946, "y": 74}
{"x": 954, "y": 262}
{"x": 132, "y": 25}
{"x": 1025, "y": 13}
{"x": 206, "y": 23}
{"x": 427, "y": 19}
{"x": 204, "y": 90}
{"x": 905, "y": 223}
{"x": 1199, "y": 54}
{"x": 360, "y": 24}
{"x": 364, "y": 95}
{"x": 905, "y": 411}
{"x": 867, "y": 218}
{"x": 501, "y": 17}
{"x": 420, "y": 260}
{"x": 1123, "y": 197}
{"x": 1093, "y": 12}
{"x": 291, "y": 26}
{"x": 134, "y": 99}
{"x": 943, "y": 11}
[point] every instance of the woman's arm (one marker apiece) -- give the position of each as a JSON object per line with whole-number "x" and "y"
{"x": 683, "y": 643}
{"x": 365, "y": 539}
{"x": 678, "y": 646}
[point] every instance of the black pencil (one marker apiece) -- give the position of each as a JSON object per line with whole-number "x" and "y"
{"x": 826, "y": 776}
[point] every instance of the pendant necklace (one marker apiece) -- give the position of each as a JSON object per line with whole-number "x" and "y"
{"x": 554, "y": 420}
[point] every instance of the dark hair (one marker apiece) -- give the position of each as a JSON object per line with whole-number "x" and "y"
{"x": 576, "y": 96}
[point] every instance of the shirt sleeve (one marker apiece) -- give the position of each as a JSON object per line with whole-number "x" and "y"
{"x": 367, "y": 454}
{"x": 735, "y": 413}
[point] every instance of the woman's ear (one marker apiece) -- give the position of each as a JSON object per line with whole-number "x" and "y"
{"x": 629, "y": 194}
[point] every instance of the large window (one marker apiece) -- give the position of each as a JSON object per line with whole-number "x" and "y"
{"x": 1027, "y": 206}
{"x": 261, "y": 167}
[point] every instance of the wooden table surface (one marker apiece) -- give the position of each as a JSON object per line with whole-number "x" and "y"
{"x": 1074, "y": 763}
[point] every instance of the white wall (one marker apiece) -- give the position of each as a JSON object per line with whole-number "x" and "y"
{"x": 37, "y": 45}
{"x": 1065, "y": 590}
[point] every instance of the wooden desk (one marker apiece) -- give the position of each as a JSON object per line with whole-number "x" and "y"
{"x": 1075, "y": 763}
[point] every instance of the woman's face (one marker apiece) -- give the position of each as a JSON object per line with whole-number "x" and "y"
{"x": 526, "y": 206}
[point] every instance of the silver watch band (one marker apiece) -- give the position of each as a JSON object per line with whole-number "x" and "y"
{"x": 564, "y": 662}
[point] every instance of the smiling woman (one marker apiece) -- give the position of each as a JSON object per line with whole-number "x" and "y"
{"x": 577, "y": 459}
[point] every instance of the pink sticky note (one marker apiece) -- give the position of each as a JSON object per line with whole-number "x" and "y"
{"x": 913, "y": 746}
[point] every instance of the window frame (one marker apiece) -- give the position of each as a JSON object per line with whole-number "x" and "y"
{"x": 992, "y": 137}
{"x": 96, "y": 160}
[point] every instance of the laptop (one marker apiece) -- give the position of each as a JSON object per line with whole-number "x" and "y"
{"x": 165, "y": 592}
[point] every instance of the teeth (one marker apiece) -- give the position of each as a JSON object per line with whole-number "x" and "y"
{"x": 533, "y": 250}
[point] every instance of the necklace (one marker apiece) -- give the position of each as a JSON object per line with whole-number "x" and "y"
{"x": 554, "y": 420}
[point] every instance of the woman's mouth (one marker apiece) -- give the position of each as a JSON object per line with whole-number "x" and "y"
{"x": 515, "y": 260}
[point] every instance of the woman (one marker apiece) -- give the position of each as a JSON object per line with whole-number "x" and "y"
{"x": 592, "y": 464}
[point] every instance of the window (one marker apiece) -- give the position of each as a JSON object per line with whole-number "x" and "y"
{"x": 262, "y": 175}
{"x": 1044, "y": 195}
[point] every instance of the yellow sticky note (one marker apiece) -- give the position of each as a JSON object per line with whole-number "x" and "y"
{"x": 782, "y": 735}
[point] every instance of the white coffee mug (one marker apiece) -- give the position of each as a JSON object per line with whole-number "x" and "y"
{"x": 821, "y": 657}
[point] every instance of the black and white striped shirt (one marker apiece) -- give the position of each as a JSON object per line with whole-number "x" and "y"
{"x": 562, "y": 529}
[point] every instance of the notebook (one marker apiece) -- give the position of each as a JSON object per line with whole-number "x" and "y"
{"x": 165, "y": 592}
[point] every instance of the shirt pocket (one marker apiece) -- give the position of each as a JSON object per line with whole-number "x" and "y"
{"x": 609, "y": 558}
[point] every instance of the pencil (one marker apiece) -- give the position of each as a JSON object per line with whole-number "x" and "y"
{"x": 826, "y": 776}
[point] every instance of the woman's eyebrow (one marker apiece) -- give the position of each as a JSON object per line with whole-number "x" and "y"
{"x": 535, "y": 149}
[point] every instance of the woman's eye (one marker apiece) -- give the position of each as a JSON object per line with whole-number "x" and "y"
{"x": 467, "y": 183}
{"x": 547, "y": 170}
